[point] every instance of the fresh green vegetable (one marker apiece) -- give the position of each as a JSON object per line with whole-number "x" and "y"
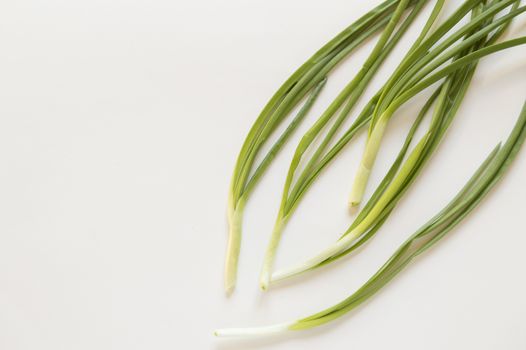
{"x": 484, "y": 179}
{"x": 467, "y": 53}
{"x": 308, "y": 79}
{"x": 349, "y": 95}
{"x": 415, "y": 74}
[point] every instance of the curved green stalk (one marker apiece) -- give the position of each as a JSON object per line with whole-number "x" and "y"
{"x": 235, "y": 212}
{"x": 381, "y": 212}
{"x": 350, "y": 93}
{"x": 483, "y": 180}
{"x": 389, "y": 193}
{"x": 292, "y": 196}
{"x": 288, "y": 96}
{"x": 412, "y": 79}
{"x": 344, "y": 242}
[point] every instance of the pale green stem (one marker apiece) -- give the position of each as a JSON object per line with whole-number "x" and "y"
{"x": 235, "y": 222}
{"x": 348, "y": 239}
{"x": 270, "y": 255}
{"x": 334, "y": 249}
{"x": 369, "y": 156}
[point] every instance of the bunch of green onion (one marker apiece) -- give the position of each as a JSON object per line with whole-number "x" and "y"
{"x": 445, "y": 53}
{"x": 482, "y": 181}
{"x": 307, "y": 80}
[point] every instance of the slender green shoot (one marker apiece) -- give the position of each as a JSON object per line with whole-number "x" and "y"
{"x": 415, "y": 74}
{"x": 467, "y": 199}
{"x": 392, "y": 188}
{"x": 347, "y": 98}
{"x": 366, "y": 230}
{"x": 300, "y": 84}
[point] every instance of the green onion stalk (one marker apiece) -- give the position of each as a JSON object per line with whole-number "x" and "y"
{"x": 483, "y": 180}
{"x": 304, "y": 84}
{"x": 343, "y": 105}
{"x": 420, "y": 64}
{"x": 472, "y": 47}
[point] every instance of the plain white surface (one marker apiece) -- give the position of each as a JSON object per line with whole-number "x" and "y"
{"x": 120, "y": 122}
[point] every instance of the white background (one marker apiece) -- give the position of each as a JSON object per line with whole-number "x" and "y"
{"x": 120, "y": 121}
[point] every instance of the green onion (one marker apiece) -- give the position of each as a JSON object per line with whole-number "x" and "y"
{"x": 468, "y": 52}
{"x": 358, "y": 233}
{"x": 406, "y": 83}
{"x": 308, "y": 79}
{"x": 235, "y": 216}
{"x": 484, "y": 179}
{"x": 350, "y": 94}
